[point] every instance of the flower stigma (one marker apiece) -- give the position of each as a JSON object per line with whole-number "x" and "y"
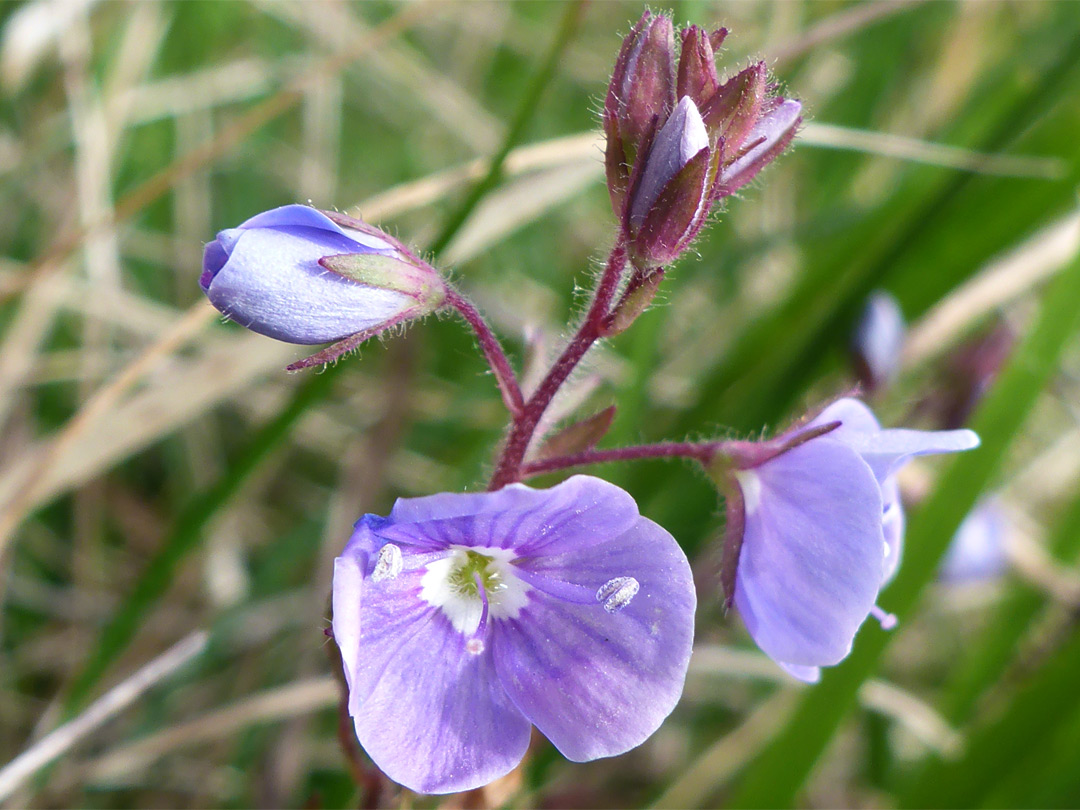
{"x": 474, "y": 573}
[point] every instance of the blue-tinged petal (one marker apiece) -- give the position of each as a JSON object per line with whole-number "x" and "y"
{"x": 804, "y": 674}
{"x": 577, "y": 514}
{"x": 273, "y": 284}
{"x": 892, "y": 524}
{"x": 293, "y": 216}
{"x": 878, "y": 340}
{"x": 771, "y": 134}
{"x": 434, "y": 717}
{"x": 854, "y": 418}
{"x": 886, "y": 450}
{"x": 598, "y": 676}
{"x": 812, "y": 554}
{"x": 214, "y": 258}
{"x": 304, "y": 216}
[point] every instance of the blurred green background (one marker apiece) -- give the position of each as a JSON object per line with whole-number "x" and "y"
{"x": 164, "y": 482}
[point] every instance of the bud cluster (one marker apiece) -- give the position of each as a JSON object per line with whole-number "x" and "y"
{"x": 679, "y": 139}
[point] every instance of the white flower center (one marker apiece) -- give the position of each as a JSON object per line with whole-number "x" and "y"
{"x": 452, "y": 585}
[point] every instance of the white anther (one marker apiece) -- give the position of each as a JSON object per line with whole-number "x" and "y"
{"x": 387, "y": 564}
{"x": 616, "y": 593}
{"x": 886, "y": 620}
{"x": 474, "y": 646}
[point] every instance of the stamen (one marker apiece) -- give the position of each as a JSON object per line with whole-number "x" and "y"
{"x": 475, "y": 644}
{"x": 388, "y": 563}
{"x": 886, "y": 620}
{"x": 616, "y": 593}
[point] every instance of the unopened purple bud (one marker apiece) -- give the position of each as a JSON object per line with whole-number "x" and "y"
{"x": 303, "y": 276}
{"x": 878, "y": 341}
{"x": 680, "y": 139}
{"x": 697, "y": 66}
{"x": 641, "y": 93}
{"x": 736, "y": 107}
{"x": 765, "y": 141}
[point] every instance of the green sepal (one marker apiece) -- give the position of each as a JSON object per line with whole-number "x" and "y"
{"x": 389, "y": 273}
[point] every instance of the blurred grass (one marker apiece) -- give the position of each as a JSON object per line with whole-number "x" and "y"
{"x": 747, "y": 333}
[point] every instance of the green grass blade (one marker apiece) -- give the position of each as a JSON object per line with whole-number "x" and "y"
{"x": 1002, "y": 747}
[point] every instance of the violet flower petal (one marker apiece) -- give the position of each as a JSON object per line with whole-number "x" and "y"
{"x": 804, "y": 674}
{"x": 304, "y": 216}
{"x": 885, "y": 450}
{"x": 892, "y": 524}
{"x": 637, "y": 655}
{"x": 581, "y": 512}
{"x": 812, "y": 552}
{"x": 273, "y": 284}
{"x": 431, "y": 715}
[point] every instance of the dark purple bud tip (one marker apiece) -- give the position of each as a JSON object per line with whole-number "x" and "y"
{"x": 268, "y": 276}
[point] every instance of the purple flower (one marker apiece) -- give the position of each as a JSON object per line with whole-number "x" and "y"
{"x": 297, "y": 275}
{"x": 819, "y": 528}
{"x": 465, "y": 618}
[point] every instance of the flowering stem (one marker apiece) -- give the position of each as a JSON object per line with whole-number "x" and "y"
{"x": 699, "y": 451}
{"x": 493, "y": 352}
{"x": 509, "y": 467}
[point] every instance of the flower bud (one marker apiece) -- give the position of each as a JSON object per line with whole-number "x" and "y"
{"x": 681, "y": 138}
{"x": 877, "y": 342}
{"x": 768, "y": 137}
{"x": 697, "y": 64}
{"x": 639, "y": 99}
{"x": 736, "y": 107}
{"x": 668, "y": 163}
{"x": 304, "y": 276}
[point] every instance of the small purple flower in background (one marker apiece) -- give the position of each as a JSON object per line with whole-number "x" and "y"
{"x": 678, "y": 140}
{"x": 816, "y": 530}
{"x": 878, "y": 341}
{"x": 463, "y": 619}
{"x": 303, "y": 276}
{"x": 978, "y": 551}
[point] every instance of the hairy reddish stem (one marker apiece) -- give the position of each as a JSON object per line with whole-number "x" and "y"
{"x": 703, "y": 452}
{"x": 509, "y": 465}
{"x": 493, "y": 352}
